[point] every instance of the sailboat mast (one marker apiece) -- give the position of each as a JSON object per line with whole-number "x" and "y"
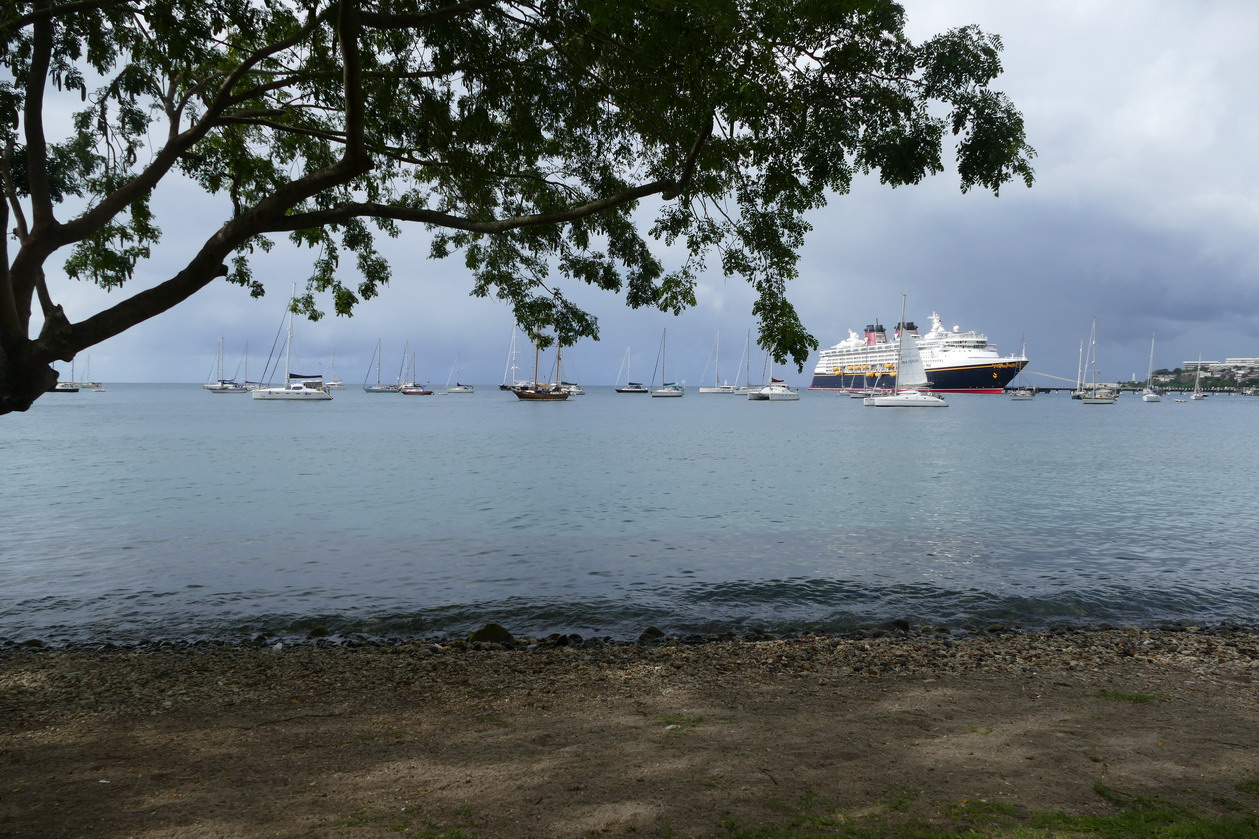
{"x": 511, "y": 358}
{"x": 717, "y": 361}
{"x": 664, "y": 375}
{"x": 747, "y": 359}
{"x": 899, "y": 330}
{"x": 1079, "y": 369}
{"x": 1093, "y": 351}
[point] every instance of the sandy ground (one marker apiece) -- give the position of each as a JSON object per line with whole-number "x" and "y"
{"x": 668, "y": 741}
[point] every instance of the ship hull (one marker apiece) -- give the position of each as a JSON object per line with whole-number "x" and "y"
{"x": 972, "y": 378}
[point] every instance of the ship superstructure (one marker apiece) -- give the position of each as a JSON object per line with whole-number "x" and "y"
{"x": 956, "y": 361}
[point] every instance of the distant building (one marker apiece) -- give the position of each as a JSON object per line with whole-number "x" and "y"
{"x": 1229, "y": 366}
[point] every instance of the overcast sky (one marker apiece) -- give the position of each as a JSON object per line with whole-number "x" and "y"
{"x": 1145, "y": 120}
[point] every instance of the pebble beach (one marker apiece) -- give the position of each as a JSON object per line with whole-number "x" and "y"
{"x": 550, "y": 737}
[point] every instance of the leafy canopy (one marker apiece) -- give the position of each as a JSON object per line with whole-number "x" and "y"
{"x": 525, "y": 136}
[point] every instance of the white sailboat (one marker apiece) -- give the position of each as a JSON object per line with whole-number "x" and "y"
{"x": 745, "y": 361}
{"x": 1150, "y": 394}
{"x": 718, "y": 386}
{"x": 222, "y": 384}
{"x": 1197, "y": 381}
{"x": 513, "y": 382}
{"x": 87, "y": 381}
{"x": 911, "y": 376}
{"x": 776, "y": 391}
{"x": 666, "y": 389}
{"x": 629, "y": 386}
{"x": 1094, "y": 394}
{"x": 1022, "y": 393}
{"x": 1078, "y": 393}
{"x": 333, "y": 381}
{"x": 454, "y": 374}
{"x": 297, "y": 387}
{"x": 410, "y": 385}
{"x": 379, "y": 387}
{"x": 69, "y": 385}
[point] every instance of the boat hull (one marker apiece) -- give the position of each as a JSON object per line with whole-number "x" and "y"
{"x": 905, "y": 399}
{"x": 285, "y": 395}
{"x": 541, "y": 395}
{"x": 980, "y": 378}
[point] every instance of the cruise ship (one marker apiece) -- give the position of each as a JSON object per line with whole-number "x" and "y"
{"x": 956, "y": 361}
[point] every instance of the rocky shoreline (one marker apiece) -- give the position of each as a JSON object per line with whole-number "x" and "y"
{"x": 188, "y": 671}
{"x": 494, "y": 636}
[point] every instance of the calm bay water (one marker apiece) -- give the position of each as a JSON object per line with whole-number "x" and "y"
{"x": 164, "y": 511}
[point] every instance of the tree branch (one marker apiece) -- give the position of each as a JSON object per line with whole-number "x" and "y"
{"x": 688, "y": 168}
{"x": 10, "y": 196}
{"x": 301, "y": 221}
{"x": 205, "y": 267}
{"x": 10, "y": 324}
{"x": 109, "y": 206}
{"x": 48, "y": 13}
{"x": 33, "y": 118}
{"x": 352, "y": 79}
{"x": 375, "y": 20}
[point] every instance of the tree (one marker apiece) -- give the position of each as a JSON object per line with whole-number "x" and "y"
{"x": 523, "y": 135}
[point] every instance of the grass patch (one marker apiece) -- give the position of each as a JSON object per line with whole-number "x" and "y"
{"x": 1138, "y": 698}
{"x": 676, "y": 723}
{"x": 1250, "y": 787}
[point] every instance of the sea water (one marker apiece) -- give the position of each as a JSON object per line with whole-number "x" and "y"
{"x": 166, "y": 511}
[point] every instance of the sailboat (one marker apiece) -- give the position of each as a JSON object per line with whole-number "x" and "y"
{"x": 87, "y": 381}
{"x": 1197, "y": 382}
{"x": 746, "y": 361}
{"x": 667, "y": 388}
{"x": 1078, "y": 393}
{"x": 911, "y": 376}
{"x": 535, "y": 391}
{"x": 1150, "y": 394}
{"x": 716, "y": 387}
{"x": 776, "y": 391}
{"x": 513, "y": 382}
{"x": 297, "y": 387}
{"x": 410, "y": 385}
{"x": 221, "y": 384}
{"x": 333, "y": 381}
{"x": 1094, "y": 394}
{"x": 628, "y": 387}
{"x": 69, "y": 385}
{"x": 454, "y": 374}
{"x": 379, "y": 387}
{"x": 1022, "y": 393}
